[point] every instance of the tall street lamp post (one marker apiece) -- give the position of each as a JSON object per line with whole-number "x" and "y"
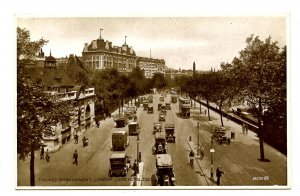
{"x": 138, "y": 160}
{"x": 212, "y": 160}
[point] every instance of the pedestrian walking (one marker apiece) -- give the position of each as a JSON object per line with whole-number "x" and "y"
{"x": 219, "y": 173}
{"x": 76, "y": 138}
{"x": 201, "y": 152}
{"x": 192, "y": 157}
{"x": 97, "y": 123}
{"x": 135, "y": 167}
{"x": 47, "y": 155}
{"x": 75, "y": 157}
{"x": 104, "y": 115}
{"x": 246, "y": 128}
{"x": 84, "y": 142}
{"x": 42, "y": 153}
{"x": 243, "y": 128}
{"x": 205, "y": 112}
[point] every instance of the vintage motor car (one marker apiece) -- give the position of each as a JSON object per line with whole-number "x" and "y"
{"x": 119, "y": 139}
{"x": 135, "y": 118}
{"x": 119, "y": 164}
{"x": 150, "y": 109}
{"x": 150, "y": 99}
{"x": 161, "y": 117}
{"x": 145, "y": 105}
{"x": 164, "y": 170}
{"x": 161, "y": 98}
{"x": 132, "y": 109}
{"x": 173, "y": 99}
{"x": 219, "y": 134}
{"x": 121, "y": 120}
{"x": 157, "y": 127}
{"x": 163, "y": 107}
{"x": 170, "y": 132}
{"x": 160, "y": 146}
{"x": 159, "y": 106}
{"x": 168, "y": 106}
{"x": 134, "y": 128}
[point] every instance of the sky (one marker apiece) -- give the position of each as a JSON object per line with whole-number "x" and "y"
{"x": 180, "y": 41}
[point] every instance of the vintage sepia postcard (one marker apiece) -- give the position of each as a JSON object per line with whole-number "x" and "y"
{"x": 152, "y": 102}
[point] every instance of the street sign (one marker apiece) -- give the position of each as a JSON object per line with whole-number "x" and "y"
{"x": 212, "y": 150}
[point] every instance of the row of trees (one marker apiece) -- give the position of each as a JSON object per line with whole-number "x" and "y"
{"x": 257, "y": 76}
{"x": 37, "y": 110}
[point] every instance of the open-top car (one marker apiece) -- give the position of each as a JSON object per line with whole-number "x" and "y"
{"x": 164, "y": 170}
{"x": 219, "y": 134}
{"x": 157, "y": 127}
{"x": 170, "y": 132}
{"x": 160, "y": 146}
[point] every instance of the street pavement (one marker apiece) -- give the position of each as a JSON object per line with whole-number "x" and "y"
{"x": 239, "y": 159}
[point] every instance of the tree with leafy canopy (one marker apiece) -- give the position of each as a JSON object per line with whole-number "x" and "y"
{"x": 206, "y": 87}
{"x": 259, "y": 67}
{"x": 159, "y": 81}
{"x": 37, "y": 110}
{"x": 75, "y": 69}
{"x": 222, "y": 87}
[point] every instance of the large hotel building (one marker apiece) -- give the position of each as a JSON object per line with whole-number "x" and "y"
{"x": 100, "y": 54}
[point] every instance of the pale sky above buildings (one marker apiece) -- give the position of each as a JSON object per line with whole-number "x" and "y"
{"x": 178, "y": 40}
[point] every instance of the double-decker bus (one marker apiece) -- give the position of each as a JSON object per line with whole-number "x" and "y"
{"x": 184, "y": 106}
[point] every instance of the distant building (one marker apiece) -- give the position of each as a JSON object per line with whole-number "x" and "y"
{"x": 100, "y": 54}
{"x": 151, "y": 66}
{"x": 56, "y": 81}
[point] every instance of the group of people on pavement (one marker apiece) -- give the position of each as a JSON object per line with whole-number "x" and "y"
{"x": 76, "y": 138}
{"x": 219, "y": 172}
{"x": 43, "y": 153}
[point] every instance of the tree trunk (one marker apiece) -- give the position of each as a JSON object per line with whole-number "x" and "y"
{"x": 32, "y": 178}
{"x": 200, "y": 104}
{"x": 208, "y": 109}
{"x": 119, "y": 106}
{"x": 221, "y": 114}
{"x": 260, "y": 131}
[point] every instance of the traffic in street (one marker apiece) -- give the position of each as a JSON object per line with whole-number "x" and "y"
{"x": 238, "y": 159}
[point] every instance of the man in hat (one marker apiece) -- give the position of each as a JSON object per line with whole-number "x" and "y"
{"x": 219, "y": 173}
{"x": 42, "y": 152}
{"x": 75, "y": 157}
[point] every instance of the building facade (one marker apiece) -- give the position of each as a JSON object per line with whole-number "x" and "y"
{"x": 151, "y": 66}
{"x": 100, "y": 54}
{"x": 57, "y": 82}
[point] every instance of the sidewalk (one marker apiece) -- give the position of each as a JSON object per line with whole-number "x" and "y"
{"x": 137, "y": 181}
{"x": 63, "y": 157}
{"x": 240, "y": 158}
{"x": 202, "y": 166}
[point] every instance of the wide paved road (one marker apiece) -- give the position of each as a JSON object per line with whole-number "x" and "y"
{"x": 185, "y": 175}
{"x": 239, "y": 159}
